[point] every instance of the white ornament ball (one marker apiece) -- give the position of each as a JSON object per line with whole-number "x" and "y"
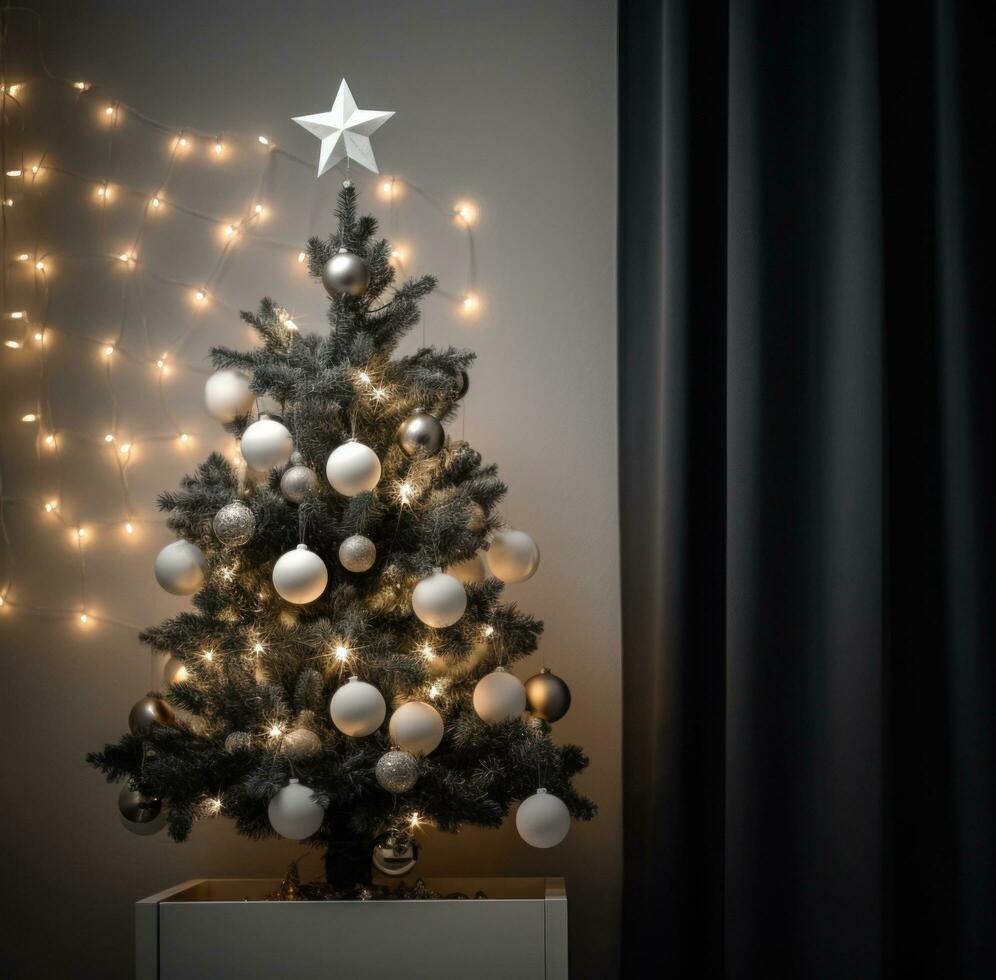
{"x": 227, "y": 394}
{"x": 357, "y": 708}
{"x": 300, "y": 576}
{"x": 499, "y": 696}
{"x": 416, "y": 727}
{"x": 542, "y": 819}
{"x": 175, "y": 671}
{"x": 439, "y": 600}
{"x": 513, "y": 556}
{"x": 472, "y": 571}
{"x": 293, "y": 813}
{"x": 265, "y": 444}
{"x": 300, "y": 743}
{"x": 353, "y": 468}
{"x": 357, "y": 553}
{"x": 179, "y": 568}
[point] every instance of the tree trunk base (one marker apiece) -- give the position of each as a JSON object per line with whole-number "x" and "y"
{"x": 348, "y": 863}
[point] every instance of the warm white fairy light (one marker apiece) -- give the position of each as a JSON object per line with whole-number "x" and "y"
{"x": 200, "y": 295}
{"x": 82, "y": 86}
{"x": 8, "y": 202}
{"x": 50, "y": 440}
{"x": 81, "y": 533}
{"x": 212, "y": 807}
{"x": 263, "y": 140}
{"x": 415, "y": 821}
{"x": 129, "y": 527}
{"x": 125, "y": 448}
{"x": 17, "y": 314}
{"x": 108, "y": 350}
{"x": 40, "y": 265}
{"x": 161, "y": 363}
{"x": 259, "y": 209}
{"x": 109, "y": 110}
{"x": 405, "y": 492}
{"x": 301, "y": 256}
{"x": 470, "y": 303}
{"x": 13, "y": 173}
{"x": 342, "y": 653}
{"x": 228, "y": 573}
{"x": 275, "y": 729}
{"x": 434, "y": 691}
{"x": 34, "y": 168}
{"x": 109, "y": 438}
{"x": 183, "y": 437}
{"x": 427, "y": 652}
{"x": 23, "y": 257}
{"x": 12, "y": 344}
{"x": 30, "y": 417}
{"x": 104, "y": 192}
{"x": 219, "y": 148}
{"x": 40, "y": 336}
{"x": 258, "y": 648}
{"x": 465, "y": 211}
{"x": 84, "y": 618}
{"x": 489, "y": 630}
{"x": 51, "y": 505}
{"x": 156, "y": 202}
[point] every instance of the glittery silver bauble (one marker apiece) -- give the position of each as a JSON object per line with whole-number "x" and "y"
{"x": 148, "y": 712}
{"x": 420, "y": 432}
{"x": 394, "y": 855}
{"x": 300, "y": 743}
{"x": 238, "y": 742}
{"x": 299, "y": 481}
{"x": 547, "y": 696}
{"x": 136, "y": 807}
{"x": 345, "y": 273}
{"x": 357, "y": 553}
{"x": 234, "y": 524}
{"x": 397, "y": 771}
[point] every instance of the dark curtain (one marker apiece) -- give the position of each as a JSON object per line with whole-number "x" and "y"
{"x": 806, "y": 488}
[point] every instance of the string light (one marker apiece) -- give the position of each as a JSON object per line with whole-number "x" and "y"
{"x": 129, "y": 528}
{"x": 109, "y": 438}
{"x": 415, "y": 821}
{"x": 109, "y": 110}
{"x": 23, "y": 257}
{"x": 34, "y": 169}
{"x": 258, "y": 648}
{"x": 466, "y": 212}
{"x": 125, "y": 448}
{"x": 183, "y": 437}
{"x": 405, "y": 492}
{"x": 470, "y": 303}
{"x": 12, "y": 344}
{"x": 50, "y": 506}
{"x": 207, "y": 655}
{"x": 84, "y": 618}
{"x": 342, "y": 653}
{"x": 156, "y": 202}
{"x": 30, "y": 417}
{"x": 213, "y": 807}
{"x": 200, "y": 295}
{"x": 50, "y": 440}
{"x": 40, "y": 336}
{"x": 427, "y": 652}
{"x": 81, "y": 533}
{"x": 17, "y": 315}
{"x": 301, "y": 256}
{"x": 489, "y": 630}
{"x": 108, "y": 350}
{"x": 40, "y": 266}
{"x": 275, "y": 730}
{"x": 263, "y": 140}
{"x": 258, "y": 209}
{"x": 82, "y": 86}
{"x": 434, "y": 692}
{"x": 13, "y": 173}
{"x": 219, "y": 148}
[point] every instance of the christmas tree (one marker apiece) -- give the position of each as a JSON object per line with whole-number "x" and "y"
{"x": 343, "y": 678}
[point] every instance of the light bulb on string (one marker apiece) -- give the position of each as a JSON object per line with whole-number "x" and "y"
{"x": 301, "y": 256}
{"x": 13, "y": 173}
{"x": 51, "y": 506}
{"x": 23, "y": 257}
{"x": 466, "y": 212}
{"x": 30, "y": 417}
{"x": 129, "y": 527}
{"x": 12, "y": 344}
{"x": 109, "y": 438}
{"x": 82, "y": 86}
{"x": 263, "y": 140}
{"x": 108, "y": 350}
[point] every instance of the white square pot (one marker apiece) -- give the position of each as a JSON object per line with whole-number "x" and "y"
{"x": 217, "y": 928}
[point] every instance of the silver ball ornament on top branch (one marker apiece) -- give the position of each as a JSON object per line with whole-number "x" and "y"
{"x": 499, "y": 696}
{"x": 234, "y": 525}
{"x": 179, "y": 568}
{"x": 345, "y": 274}
{"x": 266, "y": 444}
{"x": 421, "y": 433}
{"x": 298, "y": 481}
{"x": 357, "y": 553}
{"x": 542, "y": 820}
{"x": 513, "y": 556}
{"x": 397, "y": 771}
{"x": 300, "y": 576}
{"x": 547, "y": 696}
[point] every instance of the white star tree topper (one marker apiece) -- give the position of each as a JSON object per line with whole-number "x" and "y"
{"x": 345, "y": 131}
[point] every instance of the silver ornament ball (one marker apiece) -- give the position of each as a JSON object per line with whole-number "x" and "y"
{"x": 238, "y": 742}
{"x": 421, "y": 433}
{"x": 234, "y": 524}
{"x": 397, "y": 771}
{"x": 357, "y": 553}
{"x": 298, "y": 482}
{"x": 136, "y": 807}
{"x": 345, "y": 273}
{"x": 301, "y": 743}
{"x": 547, "y": 696}
{"x": 147, "y": 712}
{"x": 394, "y": 855}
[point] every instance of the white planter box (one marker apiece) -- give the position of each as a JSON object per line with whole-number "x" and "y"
{"x": 215, "y": 928}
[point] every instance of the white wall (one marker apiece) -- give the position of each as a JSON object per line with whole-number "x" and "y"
{"x": 511, "y": 104}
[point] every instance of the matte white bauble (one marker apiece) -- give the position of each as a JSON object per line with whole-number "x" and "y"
{"x": 416, "y": 727}
{"x": 179, "y": 568}
{"x": 300, "y": 576}
{"x": 439, "y": 600}
{"x": 513, "y": 556}
{"x": 471, "y": 571}
{"x": 227, "y": 394}
{"x": 175, "y": 671}
{"x": 353, "y": 468}
{"x": 542, "y": 820}
{"x": 357, "y": 708}
{"x": 293, "y": 813}
{"x": 499, "y": 696}
{"x": 265, "y": 444}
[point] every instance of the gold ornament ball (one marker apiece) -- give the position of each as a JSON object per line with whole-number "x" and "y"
{"x": 547, "y": 696}
{"x": 148, "y": 712}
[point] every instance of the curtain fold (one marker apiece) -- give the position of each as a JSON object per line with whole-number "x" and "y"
{"x": 806, "y": 376}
